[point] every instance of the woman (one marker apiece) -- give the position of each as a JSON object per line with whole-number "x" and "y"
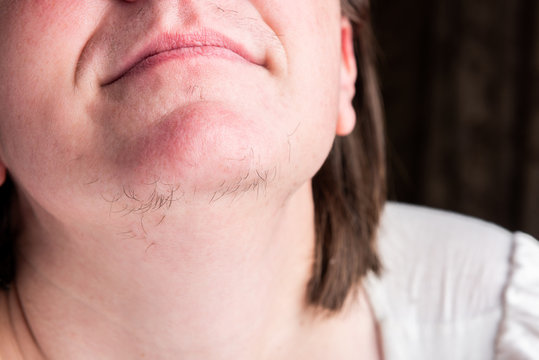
{"x": 173, "y": 197}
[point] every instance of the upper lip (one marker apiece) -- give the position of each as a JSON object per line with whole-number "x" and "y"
{"x": 168, "y": 41}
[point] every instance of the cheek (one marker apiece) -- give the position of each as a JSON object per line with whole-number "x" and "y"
{"x": 312, "y": 44}
{"x": 48, "y": 11}
{"x": 38, "y": 53}
{"x": 34, "y": 22}
{"x": 46, "y": 29}
{"x": 311, "y": 39}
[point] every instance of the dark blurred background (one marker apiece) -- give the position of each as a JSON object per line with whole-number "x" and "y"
{"x": 460, "y": 82}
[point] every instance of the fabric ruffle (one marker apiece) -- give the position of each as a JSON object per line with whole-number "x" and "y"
{"x": 518, "y": 337}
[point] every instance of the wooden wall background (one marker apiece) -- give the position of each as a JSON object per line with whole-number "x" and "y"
{"x": 460, "y": 81}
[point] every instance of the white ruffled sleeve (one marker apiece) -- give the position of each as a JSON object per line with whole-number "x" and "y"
{"x": 518, "y": 336}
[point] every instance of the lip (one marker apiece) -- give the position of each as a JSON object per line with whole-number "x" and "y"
{"x": 175, "y": 45}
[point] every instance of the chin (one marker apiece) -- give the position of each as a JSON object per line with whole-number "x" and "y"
{"x": 202, "y": 148}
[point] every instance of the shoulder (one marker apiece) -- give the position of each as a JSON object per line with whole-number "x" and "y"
{"x": 450, "y": 265}
{"x": 448, "y": 278}
{"x": 442, "y": 228}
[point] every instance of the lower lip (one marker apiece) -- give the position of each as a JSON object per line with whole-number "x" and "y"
{"x": 181, "y": 54}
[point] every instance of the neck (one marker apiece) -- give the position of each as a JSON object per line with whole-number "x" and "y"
{"x": 213, "y": 285}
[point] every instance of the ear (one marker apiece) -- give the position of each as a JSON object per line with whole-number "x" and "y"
{"x": 347, "y": 113}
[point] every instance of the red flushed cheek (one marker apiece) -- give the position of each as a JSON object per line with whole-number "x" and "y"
{"x": 51, "y": 15}
{"x": 49, "y": 6}
{"x": 43, "y": 33}
{"x": 44, "y": 5}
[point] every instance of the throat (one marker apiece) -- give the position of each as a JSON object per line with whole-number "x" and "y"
{"x": 213, "y": 286}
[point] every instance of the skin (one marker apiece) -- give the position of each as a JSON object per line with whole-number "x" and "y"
{"x": 169, "y": 214}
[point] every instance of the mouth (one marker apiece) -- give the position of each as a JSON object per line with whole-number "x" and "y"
{"x": 168, "y": 46}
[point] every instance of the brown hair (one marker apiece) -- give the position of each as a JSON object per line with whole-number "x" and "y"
{"x": 348, "y": 191}
{"x": 8, "y": 232}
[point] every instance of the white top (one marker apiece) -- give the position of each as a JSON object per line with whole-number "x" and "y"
{"x": 454, "y": 288}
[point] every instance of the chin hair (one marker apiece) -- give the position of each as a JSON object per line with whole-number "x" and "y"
{"x": 160, "y": 196}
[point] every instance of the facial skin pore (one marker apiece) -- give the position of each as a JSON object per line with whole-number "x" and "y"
{"x": 167, "y": 209}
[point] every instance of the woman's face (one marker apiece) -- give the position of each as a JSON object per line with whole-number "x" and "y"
{"x": 105, "y": 99}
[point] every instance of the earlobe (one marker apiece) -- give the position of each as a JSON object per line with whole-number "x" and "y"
{"x": 347, "y": 114}
{"x": 346, "y": 122}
